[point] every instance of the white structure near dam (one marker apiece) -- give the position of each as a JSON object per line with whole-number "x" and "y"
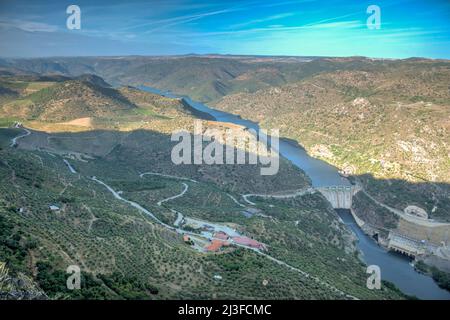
{"x": 405, "y": 245}
{"x": 340, "y": 197}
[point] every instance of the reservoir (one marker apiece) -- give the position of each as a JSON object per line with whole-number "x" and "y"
{"x": 394, "y": 268}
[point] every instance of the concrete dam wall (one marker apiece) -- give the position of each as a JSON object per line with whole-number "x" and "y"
{"x": 340, "y": 197}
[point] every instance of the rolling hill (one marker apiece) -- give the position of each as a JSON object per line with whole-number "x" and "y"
{"x": 67, "y": 100}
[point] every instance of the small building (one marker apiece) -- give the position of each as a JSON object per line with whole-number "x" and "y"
{"x": 221, "y": 235}
{"x": 405, "y": 245}
{"x": 245, "y": 241}
{"x": 206, "y": 234}
{"x": 188, "y": 240}
{"x": 250, "y": 212}
{"x": 53, "y": 208}
{"x": 216, "y": 245}
{"x": 217, "y": 277}
{"x": 416, "y": 211}
{"x": 208, "y": 228}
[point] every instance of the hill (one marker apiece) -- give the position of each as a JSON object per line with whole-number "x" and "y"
{"x": 87, "y": 96}
{"x": 385, "y": 123}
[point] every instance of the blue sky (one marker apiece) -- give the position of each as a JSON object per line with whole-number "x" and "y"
{"x": 264, "y": 27}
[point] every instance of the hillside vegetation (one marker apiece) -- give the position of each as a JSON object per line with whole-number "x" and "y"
{"x": 383, "y": 122}
{"x": 386, "y": 122}
{"x": 126, "y": 254}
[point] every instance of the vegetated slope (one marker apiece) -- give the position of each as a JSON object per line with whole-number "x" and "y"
{"x": 387, "y": 122}
{"x": 50, "y": 99}
{"x": 207, "y": 79}
{"x": 14, "y": 86}
{"x": 68, "y": 100}
{"x": 123, "y": 253}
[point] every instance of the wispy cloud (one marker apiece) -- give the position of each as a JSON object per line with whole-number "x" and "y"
{"x": 310, "y": 26}
{"x": 184, "y": 19}
{"x": 29, "y": 26}
{"x": 338, "y": 24}
{"x": 266, "y": 19}
{"x": 284, "y": 3}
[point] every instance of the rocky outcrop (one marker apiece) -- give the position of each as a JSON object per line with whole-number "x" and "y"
{"x": 20, "y": 287}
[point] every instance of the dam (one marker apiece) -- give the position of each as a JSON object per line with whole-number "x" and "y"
{"x": 340, "y": 197}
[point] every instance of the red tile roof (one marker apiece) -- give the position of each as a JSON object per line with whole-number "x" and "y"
{"x": 215, "y": 245}
{"x": 248, "y": 242}
{"x": 221, "y": 235}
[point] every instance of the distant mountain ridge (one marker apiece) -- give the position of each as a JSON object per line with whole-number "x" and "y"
{"x": 206, "y": 78}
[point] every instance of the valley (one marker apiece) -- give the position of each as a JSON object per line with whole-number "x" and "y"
{"x": 101, "y": 155}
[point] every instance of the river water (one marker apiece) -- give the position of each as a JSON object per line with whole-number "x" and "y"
{"x": 320, "y": 172}
{"x": 394, "y": 268}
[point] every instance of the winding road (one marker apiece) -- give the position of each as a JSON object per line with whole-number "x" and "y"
{"x": 235, "y": 200}
{"x": 71, "y": 169}
{"x": 297, "y": 193}
{"x": 180, "y": 216}
{"x": 279, "y": 196}
{"x": 303, "y": 273}
{"x": 167, "y": 176}
{"x": 14, "y": 140}
{"x": 408, "y": 217}
{"x": 132, "y": 203}
{"x": 186, "y": 187}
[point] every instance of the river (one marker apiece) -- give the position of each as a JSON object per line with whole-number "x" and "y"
{"x": 394, "y": 268}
